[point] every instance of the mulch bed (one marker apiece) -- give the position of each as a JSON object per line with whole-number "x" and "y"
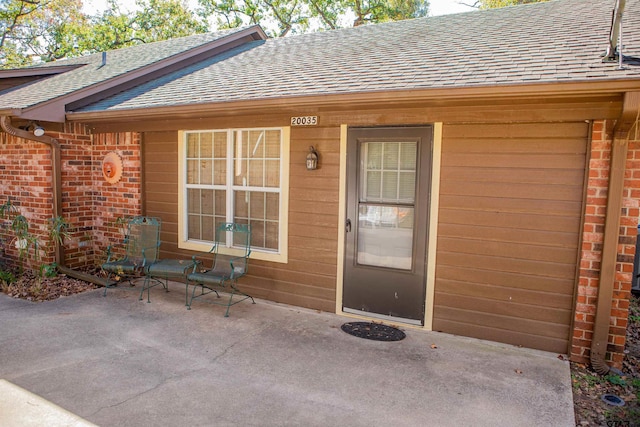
{"x": 32, "y": 288}
{"x": 589, "y": 387}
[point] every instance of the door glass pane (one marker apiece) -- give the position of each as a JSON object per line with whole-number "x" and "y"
{"x": 373, "y": 155}
{"x": 390, "y": 186}
{"x": 373, "y": 185}
{"x": 388, "y": 171}
{"x": 407, "y": 187}
{"x": 385, "y": 236}
{"x": 391, "y": 155}
{"x": 385, "y": 229}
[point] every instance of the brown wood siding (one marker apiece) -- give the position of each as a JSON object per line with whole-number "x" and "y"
{"x": 309, "y": 278}
{"x": 508, "y": 234}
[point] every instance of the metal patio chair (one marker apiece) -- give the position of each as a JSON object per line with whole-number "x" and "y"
{"x": 141, "y": 246}
{"x": 225, "y": 270}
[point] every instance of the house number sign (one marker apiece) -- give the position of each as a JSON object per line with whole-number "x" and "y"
{"x": 304, "y": 121}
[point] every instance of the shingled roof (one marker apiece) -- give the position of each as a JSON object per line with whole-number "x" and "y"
{"x": 115, "y": 69}
{"x": 556, "y": 41}
{"x": 543, "y": 43}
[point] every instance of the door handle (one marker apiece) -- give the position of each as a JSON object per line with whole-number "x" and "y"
{"x": 347, "y": 225}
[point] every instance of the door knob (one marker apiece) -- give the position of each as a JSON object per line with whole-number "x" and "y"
{"x": 347, "y": 225}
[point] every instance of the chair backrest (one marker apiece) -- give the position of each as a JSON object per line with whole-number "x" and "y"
{"x": 143, "y": 240}
{"x": 240, "y": 236}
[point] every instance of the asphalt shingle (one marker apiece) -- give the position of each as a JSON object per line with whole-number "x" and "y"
{"x": 555, "y": 41}
{"x": 91, "y": 71}
{"x": 560, "y": 40}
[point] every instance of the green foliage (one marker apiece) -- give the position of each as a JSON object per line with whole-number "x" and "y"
{"x": 58, "y": 230}
{"x": 593, "y": 379}
{"x": 38, "y": 30}
{"x": 8, "y": 208}
{"x": 27, "y": 243}
{"x": 616, "y": 379}
{"x": 153, "y": 20}
{"x": 47, "y": 30}
{"x": 6, "y": 277}
{"x": 49, "y": 270}
{"x": 281, "y": 17}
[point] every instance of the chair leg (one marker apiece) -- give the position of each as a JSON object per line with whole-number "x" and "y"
{"x": 193, "y": 294}
{"x": 236, "y": 291}
{"x": 146, "y": 286}
{"x": 106, "y": 286}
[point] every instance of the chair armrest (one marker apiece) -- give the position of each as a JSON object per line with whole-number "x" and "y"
{"x": 196, "y": 262}
{"x": 238, "y": 271}
{"x": 144, "y": 257}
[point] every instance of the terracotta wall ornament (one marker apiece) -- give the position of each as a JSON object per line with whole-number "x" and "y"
{"x": 112, "y": 167}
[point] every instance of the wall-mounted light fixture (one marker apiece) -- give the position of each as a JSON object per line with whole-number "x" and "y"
{"x": 38, "y": 130}
{"x": 33, "y": 127}
{"x": 312, "y": 159}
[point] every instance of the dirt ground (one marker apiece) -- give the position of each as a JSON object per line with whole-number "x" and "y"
{"x": 588, "y": 386}
{"x": 33, "y": 288}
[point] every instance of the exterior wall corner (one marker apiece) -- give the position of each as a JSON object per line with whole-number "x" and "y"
{"x": 591, "y": 251}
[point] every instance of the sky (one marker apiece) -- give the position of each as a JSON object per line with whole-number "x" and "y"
{"x": 436, "y": 7}
{"x": 444, "y": 7}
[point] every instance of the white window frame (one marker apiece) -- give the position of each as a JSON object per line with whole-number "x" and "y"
{"x": 281, "y": 255}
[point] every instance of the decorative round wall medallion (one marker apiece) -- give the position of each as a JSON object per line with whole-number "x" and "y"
{"x": 112, "y": 167}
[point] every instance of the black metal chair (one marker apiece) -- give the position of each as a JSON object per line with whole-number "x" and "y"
{"x": 141, "y": 247}
{"x": 225, "y": 270}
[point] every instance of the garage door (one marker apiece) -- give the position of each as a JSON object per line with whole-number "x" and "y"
{"x": 508, "y": 235}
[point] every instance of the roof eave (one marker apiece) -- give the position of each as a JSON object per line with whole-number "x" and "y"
{"x": 55, "y": 110}
{"x": 365, "y": 99}
{"x": 39, "y": 71}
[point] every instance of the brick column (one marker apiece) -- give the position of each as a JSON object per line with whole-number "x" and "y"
{"x": 591, "y": 251}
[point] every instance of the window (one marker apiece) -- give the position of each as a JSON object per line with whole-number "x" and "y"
{"x": 235, "y": 175}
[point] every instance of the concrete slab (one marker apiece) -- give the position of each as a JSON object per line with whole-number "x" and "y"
{"x": 117, "y": 361}
{"x": 20, "y": 408}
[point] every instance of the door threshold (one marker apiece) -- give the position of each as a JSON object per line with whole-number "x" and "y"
{"x": 382, "y": 317}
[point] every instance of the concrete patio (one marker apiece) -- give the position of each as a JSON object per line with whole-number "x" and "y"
{"x": 117, "y": 361}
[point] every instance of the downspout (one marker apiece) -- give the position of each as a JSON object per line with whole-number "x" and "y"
{"x": 619, "y": 146}
{"x": 56, "y": 163}
{"x": 56, "y": 186}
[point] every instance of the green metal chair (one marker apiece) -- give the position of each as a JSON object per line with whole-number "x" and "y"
{"x": 225, "y": 270}
{"x": 141, "y": 247}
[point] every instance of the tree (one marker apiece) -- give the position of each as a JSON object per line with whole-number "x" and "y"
{"x": 37, "y": 30}
{"x": 281, "y": 17}
{"x": 152, "y": 20}
{"x": 47, "y": 30}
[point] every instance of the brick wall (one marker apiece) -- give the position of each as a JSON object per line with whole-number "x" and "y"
{"x": 121, "y": 199}
{"x": 593, "y": 236}
{"x": 90, "y": 204}
{"x": 25, "y": 179}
